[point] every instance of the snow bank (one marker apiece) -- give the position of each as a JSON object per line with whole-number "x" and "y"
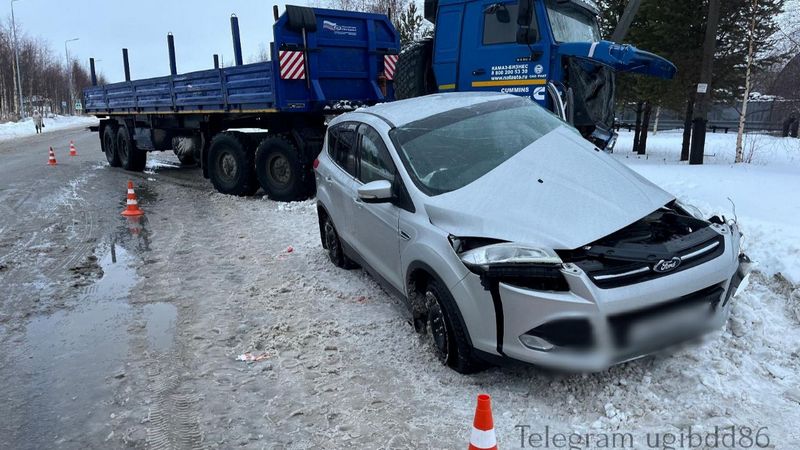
{"x": 764, "y": 192}
{"x": 11, "y": 130}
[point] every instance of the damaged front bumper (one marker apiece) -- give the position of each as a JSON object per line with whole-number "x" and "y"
{"x": 589, "y": 328}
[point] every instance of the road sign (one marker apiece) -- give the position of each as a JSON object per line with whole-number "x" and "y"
{"x": 64, "y": 105}
{"x": 702, "y": 88}
{"x": 78, "y": 106}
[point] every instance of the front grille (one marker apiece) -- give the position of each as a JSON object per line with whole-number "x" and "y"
{"x": 622, "y": 324}
{"x": 609, "y": 273}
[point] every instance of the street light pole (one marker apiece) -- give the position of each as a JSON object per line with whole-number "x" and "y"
{"x": 71, "y": 105}
{"x": 16, "y": 56}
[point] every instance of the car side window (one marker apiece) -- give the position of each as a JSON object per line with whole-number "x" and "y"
{"x": 341, "y": 146}
{"x": 375, "y": 163}
{"x": 497, "y": 31}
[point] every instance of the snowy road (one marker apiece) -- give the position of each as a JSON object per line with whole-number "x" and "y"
{"x": 116, "y": 334}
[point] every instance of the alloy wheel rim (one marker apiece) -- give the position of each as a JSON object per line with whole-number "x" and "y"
{"x": 438, "y": 326}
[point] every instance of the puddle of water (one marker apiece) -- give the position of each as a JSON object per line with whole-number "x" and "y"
{"x": 60, "y": 372}
{"x": 160, "y": 326}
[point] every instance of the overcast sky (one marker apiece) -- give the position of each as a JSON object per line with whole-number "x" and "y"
{"x": 201, "y": 28}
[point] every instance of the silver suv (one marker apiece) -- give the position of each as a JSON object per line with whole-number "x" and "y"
{"x": 512, "y": 238}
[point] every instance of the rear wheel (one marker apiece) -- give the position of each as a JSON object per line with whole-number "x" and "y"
{"x": 448, "y": 338}
{"x": 109, "y": 143}
{"x": 414, "y": 75}
{"x": 130, "y": 157}
{"x": 334, "y": 245}
{"x": 280, "y": 170}
{"x": 231, "y": 165}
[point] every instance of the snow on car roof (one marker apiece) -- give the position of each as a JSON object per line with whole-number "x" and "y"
{"x": 403, "y": 112}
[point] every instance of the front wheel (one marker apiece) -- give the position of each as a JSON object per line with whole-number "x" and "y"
{"x": 280, "y": 170}
{"x": 448, "y": 338}
{"x": 231, "y": 165}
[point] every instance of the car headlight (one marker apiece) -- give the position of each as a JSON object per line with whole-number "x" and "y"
{"x": 509, "y": 253}
{"x": 519, "y": 265}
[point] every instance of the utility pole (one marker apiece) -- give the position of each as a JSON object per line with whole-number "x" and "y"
{"x": 71, "y": 105}
{"x": 16, "y": 56}
{"x": 624, "y": 24}
{"x": 704, "y": 88}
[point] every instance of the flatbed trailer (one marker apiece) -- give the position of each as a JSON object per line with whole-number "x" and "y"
{"x": 254, "y": 125}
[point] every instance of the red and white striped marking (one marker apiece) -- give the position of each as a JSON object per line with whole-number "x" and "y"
{"x": 292, "y": 64}
{"x": 389, "y": 64}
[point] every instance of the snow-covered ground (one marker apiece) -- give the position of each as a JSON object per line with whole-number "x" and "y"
{"x": 765, "y": 192}
{"x": 11, "y": 130}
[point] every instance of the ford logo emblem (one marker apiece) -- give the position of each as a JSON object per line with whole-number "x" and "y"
{"x": 666, "y": 265}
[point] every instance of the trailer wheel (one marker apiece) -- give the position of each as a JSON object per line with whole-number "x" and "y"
{"x": 414, "y": 75}
{"x": 231, "y": 165}
{"x": 130, "y": 157}
{"x": 280, "y": 170}
{"x": 109, "y": 144}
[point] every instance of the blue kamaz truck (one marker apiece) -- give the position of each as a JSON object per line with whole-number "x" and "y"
{"x": 263, "y": 124}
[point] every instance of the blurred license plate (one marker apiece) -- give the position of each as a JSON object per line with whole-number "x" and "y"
{"x": 672, "y": 324}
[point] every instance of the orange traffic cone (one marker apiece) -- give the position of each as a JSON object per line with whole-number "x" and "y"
{"x": 52, "y": 160}
{"x": 133, "y": 206}
{"x": 483, "y": 437}
{"x": 72, "y": 151}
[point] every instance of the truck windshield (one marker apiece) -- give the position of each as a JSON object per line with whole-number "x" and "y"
{"x": 571, "y": 23}
{"x": 450, "y": 150}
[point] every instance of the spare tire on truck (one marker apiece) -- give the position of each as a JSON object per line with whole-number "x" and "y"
{"x": 414, "y": 75}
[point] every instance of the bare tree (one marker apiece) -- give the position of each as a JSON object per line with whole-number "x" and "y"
{"x": 751, "y": 37}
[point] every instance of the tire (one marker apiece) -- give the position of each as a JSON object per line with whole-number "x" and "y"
{"x": 414, "y": 75}
{"x": 333, "y": 244}
{"x": 279, "y": 169}
{"x": 130, "y": 157}
{"x": 231, "y": 165}
{"x": 448, "y": 338}
{"x": 185, "y": 155}
{"x": 109, "y": 144}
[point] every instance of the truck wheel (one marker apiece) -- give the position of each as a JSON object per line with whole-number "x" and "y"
{"x": 279, "y": 169}
{"x": 231, "y": 165}
{"x": 414, "y": 75}
{"x": 130, "y": 157}
{"x": 109, "y": 144}
{"x": 448, "y": 337}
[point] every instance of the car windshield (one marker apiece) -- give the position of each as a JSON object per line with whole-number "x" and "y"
{"x": 571, "y": 23}
{"x": 450, "y": 150}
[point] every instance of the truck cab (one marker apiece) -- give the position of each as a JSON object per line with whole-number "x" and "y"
{"x": 548, "y": 50}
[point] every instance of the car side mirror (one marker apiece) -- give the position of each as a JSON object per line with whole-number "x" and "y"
{"x": 379, "y": 191}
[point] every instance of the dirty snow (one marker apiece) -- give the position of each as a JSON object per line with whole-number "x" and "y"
{"x": 11, "y": 130}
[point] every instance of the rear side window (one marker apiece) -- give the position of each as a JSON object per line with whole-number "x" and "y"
{"x": 374, "y": 160}
{"x": 341, "y": 146}
{"x": 497, "y": 32}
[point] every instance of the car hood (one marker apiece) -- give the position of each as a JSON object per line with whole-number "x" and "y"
{"x": 558, "y": 192}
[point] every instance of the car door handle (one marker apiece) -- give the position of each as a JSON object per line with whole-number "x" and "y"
{"x": 478, "y": 72}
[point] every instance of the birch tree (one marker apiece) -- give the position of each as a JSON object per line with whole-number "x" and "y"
{"x": 751, "y": 38}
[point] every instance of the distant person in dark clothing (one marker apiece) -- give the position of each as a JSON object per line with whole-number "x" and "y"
{"x": 790, "y": 126}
